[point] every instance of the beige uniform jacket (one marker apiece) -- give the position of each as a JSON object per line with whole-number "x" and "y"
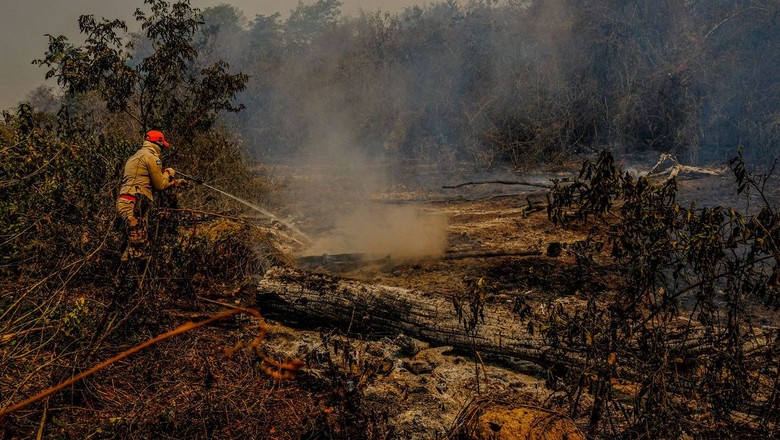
{"x": 144, "y": 172}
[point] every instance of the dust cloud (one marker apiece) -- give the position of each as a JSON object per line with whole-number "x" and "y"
{"x": 398, "y": 232}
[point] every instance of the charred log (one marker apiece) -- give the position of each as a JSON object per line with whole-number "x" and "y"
{"x": 319, "y": 299}
{"x": 298, "y": 297}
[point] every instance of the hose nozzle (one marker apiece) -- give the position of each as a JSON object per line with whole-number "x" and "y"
{"x": 188, "y": 177}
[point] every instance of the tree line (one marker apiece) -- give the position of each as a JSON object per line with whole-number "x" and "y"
{"x": 508, "y": 81}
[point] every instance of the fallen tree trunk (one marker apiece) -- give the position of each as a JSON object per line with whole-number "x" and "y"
{"x": 316, "y": 298}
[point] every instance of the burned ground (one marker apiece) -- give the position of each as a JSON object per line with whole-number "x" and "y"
{"x": 353, "y": 383}
{"x": 388, "y": 385}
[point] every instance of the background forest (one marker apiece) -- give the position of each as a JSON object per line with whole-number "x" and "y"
{"x": 509, "y": 81}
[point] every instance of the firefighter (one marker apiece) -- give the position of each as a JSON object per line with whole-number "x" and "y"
{"x": 143, "y": 176}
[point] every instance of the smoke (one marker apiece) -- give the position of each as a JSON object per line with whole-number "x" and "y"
{"x": 335, "y": 190}
{"x": 400, "y": 232}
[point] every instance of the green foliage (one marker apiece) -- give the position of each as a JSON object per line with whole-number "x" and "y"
{"x": 265, "y": 38}
{"x": 54, "y": 176}
{"x": 164, "y": 90}
{"x": 99, "y": 65}
{"x": 307, "y": 22}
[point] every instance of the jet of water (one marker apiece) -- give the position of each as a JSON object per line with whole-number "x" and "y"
{"x": 265, "y": 212}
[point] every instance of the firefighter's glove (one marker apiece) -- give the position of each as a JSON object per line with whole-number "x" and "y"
{"x": 170, "y": 172}
{"x": 181, "y": 183}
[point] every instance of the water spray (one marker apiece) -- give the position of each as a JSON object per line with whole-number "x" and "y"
{"x": 248, "y": 204}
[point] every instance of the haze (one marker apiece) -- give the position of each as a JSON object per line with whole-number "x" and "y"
{"x": 23, "y": 25}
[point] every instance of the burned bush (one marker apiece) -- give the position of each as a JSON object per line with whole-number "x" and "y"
{"x": 678, "y": 348}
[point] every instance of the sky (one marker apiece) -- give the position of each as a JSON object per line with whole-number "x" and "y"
{"x": 24, "y": 23}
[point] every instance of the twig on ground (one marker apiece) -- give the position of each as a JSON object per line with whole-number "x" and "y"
{"x": 499, "y": 182}
{"x": 493, "y": 254}
{"x": 10, "y": 336}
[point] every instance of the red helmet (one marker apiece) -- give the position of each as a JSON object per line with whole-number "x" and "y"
{"x": 156, "y": 137}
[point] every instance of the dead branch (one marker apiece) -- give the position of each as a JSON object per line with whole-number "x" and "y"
{"x": 494, "y": 254}
{"x": 677, "y": 168}
{"x": 498, "y": 182}
{"x": 9, "y": 336}
{"x": 204, "y": 213}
